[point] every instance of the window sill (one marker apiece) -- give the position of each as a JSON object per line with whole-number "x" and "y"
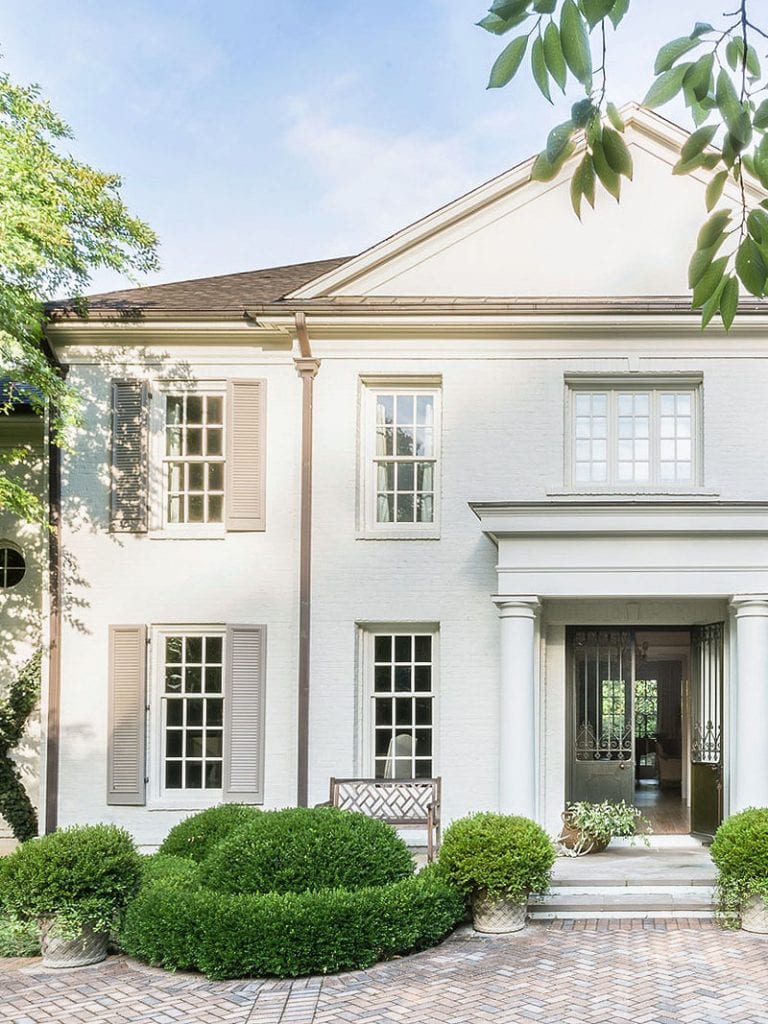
{"x": 185, "y": 803}
{"x": 431, "y": 534}
{"x": 632, "y": 492}
{"x": 191, "y": 534}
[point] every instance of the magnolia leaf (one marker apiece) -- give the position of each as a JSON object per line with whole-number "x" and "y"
{"x": 617, "y": 153}
{"x": 609, "y": 178}
{"x": 539, "y": 68}
{"x": 665, "y": 87}
{"x": 615, "y": 117}
{"x": 697, "y": 142}
{"x": 508, "y": 62}
{"x": 708, "y": 283}
{"x": 575, "y": 43}
{"x": 672, "y": 52}
{"x": 553, "y": 55}
{"x": 729, "y": 301}
{"x": 751, "y": 268}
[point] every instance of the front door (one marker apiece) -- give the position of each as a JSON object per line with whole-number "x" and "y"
{"x": 706, "y": 728}
{"x": 602, "y": 672}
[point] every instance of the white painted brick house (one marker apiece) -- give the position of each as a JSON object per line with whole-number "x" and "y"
{"x": 537, "y": 527}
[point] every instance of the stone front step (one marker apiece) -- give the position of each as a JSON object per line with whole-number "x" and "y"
{"x": 615, "y": 900}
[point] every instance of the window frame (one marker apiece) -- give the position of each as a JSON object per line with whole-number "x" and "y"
{"x": 614, "y": 385}
{"x": 366, "y": 754}
{"x": 371, "y": 387}
{"x": 159, "y": 526}
{"x": 158, "y": 796}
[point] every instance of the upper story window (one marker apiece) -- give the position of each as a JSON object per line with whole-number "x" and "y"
{"x": 194, "y": 458}
{"x": 641, "y": 436}
{"x": 402, "y": 458}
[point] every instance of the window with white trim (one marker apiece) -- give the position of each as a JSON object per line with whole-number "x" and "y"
{"x": 643, "y": 436}
{"x": 194, "y": 458}
{"x": 192, "y": 713}
{"x": 402, "y": 458}
{"x": 403, "y": 678}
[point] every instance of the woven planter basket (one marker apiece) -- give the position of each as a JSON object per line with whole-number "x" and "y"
{"x": 754, "y": 915}
{"x": 497, "y": 917}
{"x": 89, "y": 947}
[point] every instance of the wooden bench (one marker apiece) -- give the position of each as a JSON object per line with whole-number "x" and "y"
{"x": 400, "y": 802}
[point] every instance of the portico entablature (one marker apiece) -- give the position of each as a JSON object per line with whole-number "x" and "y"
{"x": 639, "y": 548}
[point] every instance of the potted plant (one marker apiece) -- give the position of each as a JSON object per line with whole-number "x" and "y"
{"x": 497, "y": 861}
{"x": 75, "y": 884}
{"x": 589, "y": 827}
{"x": 740, "y": 854}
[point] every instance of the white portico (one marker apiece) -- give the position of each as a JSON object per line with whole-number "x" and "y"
{"x": 630, "y": 566}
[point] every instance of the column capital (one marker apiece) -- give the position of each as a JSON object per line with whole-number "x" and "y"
{"x": 754, "y": 605}
{"x": 514, "y": 607}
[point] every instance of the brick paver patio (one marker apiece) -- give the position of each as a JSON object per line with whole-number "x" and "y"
{"x": 572, "y": 972}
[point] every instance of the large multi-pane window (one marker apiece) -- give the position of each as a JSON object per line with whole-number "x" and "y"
{"x": 403, "y": 699}
{"x": 644, "y": 437}
{"x": 194, "y": 458}
{"x": 193, "y": 712}
{"x": 404, "y": 457}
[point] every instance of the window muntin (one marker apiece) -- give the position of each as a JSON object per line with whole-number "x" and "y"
{"x": 404, "y": 460}
{"x": 403, "y": 699}
{"x": 12, "y": 567}
{"x": 194, "y": 458}
{"x": 192, "y": 712}
{"x": 642, "y": 437}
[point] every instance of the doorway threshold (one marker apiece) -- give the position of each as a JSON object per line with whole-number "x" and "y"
{"x": 661, "y": 841}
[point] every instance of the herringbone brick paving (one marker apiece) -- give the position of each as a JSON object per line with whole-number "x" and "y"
{"x": 561, "y": 972}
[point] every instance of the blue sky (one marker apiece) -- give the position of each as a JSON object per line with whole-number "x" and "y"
{"x": 252, "y": 134}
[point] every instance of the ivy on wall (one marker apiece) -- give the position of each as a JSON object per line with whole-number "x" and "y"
{"x": 16, "y": 705}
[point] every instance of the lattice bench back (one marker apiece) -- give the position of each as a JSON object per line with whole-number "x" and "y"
{"x": 399, "y": 802}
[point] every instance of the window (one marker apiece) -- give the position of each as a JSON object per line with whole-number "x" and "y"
{"x": 194, "y": 458}
{"x": 403, "y": 701}
{"x": 12, "y": 567}
{"x": 402, "y": 458}
{"x": 192, "y": 712}
{"x": 642, "y": 437}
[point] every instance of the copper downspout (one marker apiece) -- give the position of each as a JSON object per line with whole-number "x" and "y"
{"x": 306, "y": 367}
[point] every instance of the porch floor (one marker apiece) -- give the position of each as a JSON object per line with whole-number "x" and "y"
{"x": 664, "y": 808}
{"x": 637, "y": 865}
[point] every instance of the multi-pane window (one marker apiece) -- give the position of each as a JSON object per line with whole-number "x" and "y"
{"x": 194, "y": 458}
{"x": 403, "y": 698}
{"x": 405, "y": 457}
{"x": 12, "y": 567}
{"x": 193, "y": 712}
{"x": 643, "y": 437}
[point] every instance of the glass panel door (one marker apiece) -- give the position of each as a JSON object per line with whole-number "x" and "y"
{"x": 602, "y": 670}
{"x": 706, "y": 728}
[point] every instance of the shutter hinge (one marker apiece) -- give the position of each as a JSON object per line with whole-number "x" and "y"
{"x": 146, "y": 780}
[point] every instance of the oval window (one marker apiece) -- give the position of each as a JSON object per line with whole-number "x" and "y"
{"x": 12, "y": 567}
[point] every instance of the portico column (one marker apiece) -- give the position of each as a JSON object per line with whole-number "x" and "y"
{"x": 517, "y": 705}
{"x": 750, "y": 749}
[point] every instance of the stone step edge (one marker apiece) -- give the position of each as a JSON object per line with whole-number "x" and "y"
{"x": 617, "y": 893}
{"x": 629, "y": 883}
{"x": 612, "y": 915}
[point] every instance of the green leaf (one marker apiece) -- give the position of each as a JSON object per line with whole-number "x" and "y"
{"x": 760, "y": 119}
{"x": 698, "y": 78}
{"x": 700, "y": 262}
{"x": 697, "y": 142}
{"x": 729, "y": 301}
{"x": 617, "y": 152}
{"x": 751, "y": 268}
{"x": 493, "y": 23}
{"x": 734, "y": 51}
{"x": 509, "y": 8}
{"x": 712, "y": 229}
{"x": 753, "y": 63}
{"x": 575, "y": 43}
{"x": 715, "y": 189}
{"x": 583, "y": 112}
{"x": 543, "y": 170}
{"x": 757, "y": 225}
{"x": 701, "y": 28}
{"x": 671, "y": 52}
{"x": 618, "y": 11}
{"x": 544, "y": 6}
{"x": 553, "y": 54}
{"x": 615, "y": 117}
{"x": 508, "y": 62}
{"x": 558, "y": 139}
{"x": 735, "y": 116}
{"x": 665, "y": 87}
{"x": 539, "y": 68}
{"x": 711, "y": 306}
{"x": 595, "y": 10}
{"x": 610, "y": 179}
{"x": 709, "y": 282}
{"x": 583, "y": 185}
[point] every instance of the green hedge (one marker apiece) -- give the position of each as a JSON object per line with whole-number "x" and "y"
{"x": 739, "y": 851}
{"x": 162, "y": 865}
{"x": 197, "y": 835}
{"x": 177, "y": 924}
{"x": 303, "y": 848}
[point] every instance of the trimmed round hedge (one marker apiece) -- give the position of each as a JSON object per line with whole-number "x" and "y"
{"x": 739, "y": 851}
{"x": 179, "y": 925}
{"x": 301, "y": 849}
{"x": 197, "y": 835}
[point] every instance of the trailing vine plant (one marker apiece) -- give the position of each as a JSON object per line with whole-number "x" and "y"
{"x": 16, "y": 705}
{"x": 719, "y": 74}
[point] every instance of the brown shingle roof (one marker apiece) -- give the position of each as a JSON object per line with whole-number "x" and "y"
{"x": 226, "y": 293}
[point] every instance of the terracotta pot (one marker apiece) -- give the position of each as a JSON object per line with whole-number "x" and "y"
{"x": 754, "y": 915}
{"x": 573, "y": 838}
{"x": 497, "y": 917}
{"x": 89, "y": 947}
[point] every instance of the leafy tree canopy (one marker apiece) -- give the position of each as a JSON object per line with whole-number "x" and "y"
{"x": 721, "y": 78}
{"x": 59, "y": 221}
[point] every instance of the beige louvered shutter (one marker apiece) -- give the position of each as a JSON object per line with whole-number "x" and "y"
{"x": 126, "y": 722}
{"x": 246, "y": 448}
{"x": 244, "y": 714}
{"x": 130, "y": 463}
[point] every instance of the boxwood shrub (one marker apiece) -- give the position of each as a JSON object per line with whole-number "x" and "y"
{"x": 196, "y": 836}
{"x": 740, "y": 854}
{"x": 177, "y": 924}
{"x": 301, "y": 848}
{"x": 163, "y": 865}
